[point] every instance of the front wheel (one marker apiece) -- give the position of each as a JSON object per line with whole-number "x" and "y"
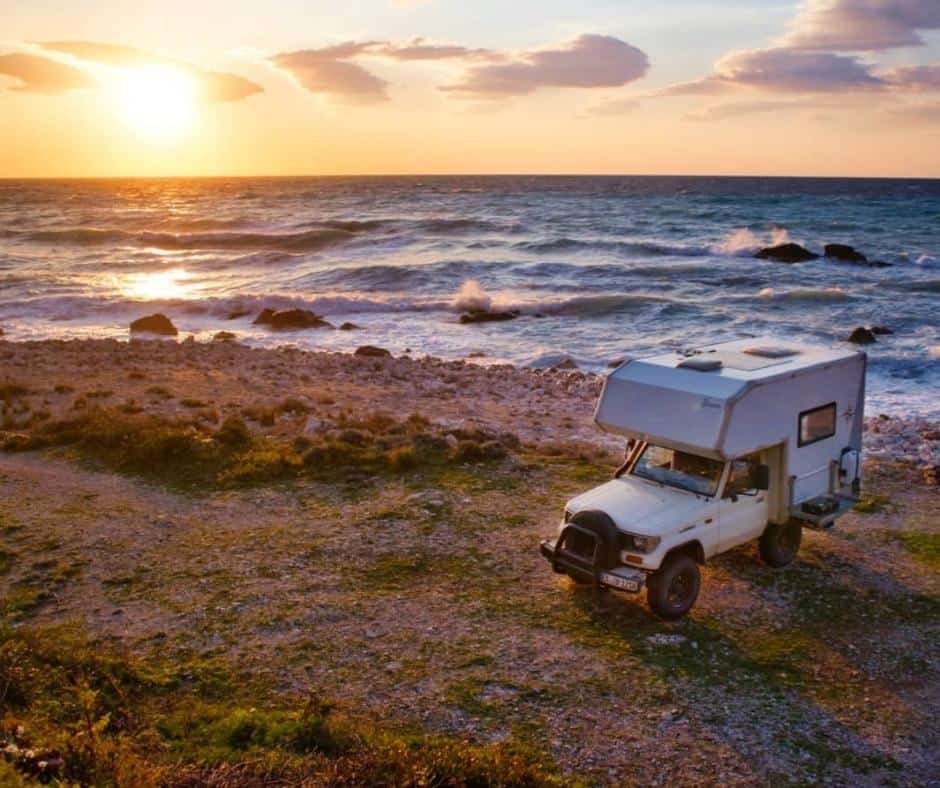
{"x": 673, "y": 588}
{"x": 780, "y": 543}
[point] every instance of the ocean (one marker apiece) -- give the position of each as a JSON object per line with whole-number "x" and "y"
{"x": 599, "y": 267}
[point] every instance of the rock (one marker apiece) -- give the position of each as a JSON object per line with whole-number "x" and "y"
{"x": 291, "y": 320}
{"x": 371, "y": 351}
{"x": 479, "y": 316}
{"x": 862, "y": 336}
{"x": 264, "y": 317}
{"x": 476, "y": 354}
{"x": 224, "y": 336}
{"x": 349, "y": 327}
{"x": 846, "y": 254}
{"x": 568, "y": 363}
{"x": 237, "y": 313}
{"x": 881, "y": 330}
{"x": 932, "y": 474}
{"x": 155, "y": 324}
{"x": 786, "y": 253}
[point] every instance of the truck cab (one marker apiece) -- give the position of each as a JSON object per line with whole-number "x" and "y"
{"x": 723, "y": 447}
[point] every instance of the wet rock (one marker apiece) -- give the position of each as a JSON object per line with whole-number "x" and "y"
{"x": 845, "y": 253}
{"x": 154, "y": 324}
{"x": 568, "y": 363}
{"x": 476, "y": 354}
{"x": 881, "y": 330}
{"x": 224, "y": 336}
{"x": 862, "y": 336}
{"x": 291, "y": 320}
{"x": 480, "y": 316}
{"x": 347, "y": 326}
{"x": 371, "y": 351}
{"x": 786, "y": 253}
{"x": 237, "y": 313}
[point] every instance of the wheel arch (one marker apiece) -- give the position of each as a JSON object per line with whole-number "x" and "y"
{"x": 692, "y": 548}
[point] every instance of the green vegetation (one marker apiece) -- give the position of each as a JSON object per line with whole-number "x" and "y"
{"x": 871, "y": 504}
{"x": 924, "y": 547}
{"x": 188, "y": 453}
{"x": 77, "y": 712}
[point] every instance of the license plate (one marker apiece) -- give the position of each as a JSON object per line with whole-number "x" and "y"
{"x": 622, "y": 583}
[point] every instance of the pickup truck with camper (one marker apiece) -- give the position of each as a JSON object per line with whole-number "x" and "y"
{"x": 742, "y": 440}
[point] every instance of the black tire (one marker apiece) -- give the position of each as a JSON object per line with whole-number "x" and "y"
{"x": 779, "y": 544}
{"x": 673, "y": 588}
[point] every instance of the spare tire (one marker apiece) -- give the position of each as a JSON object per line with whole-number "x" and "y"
{"x": 600, "y": 524}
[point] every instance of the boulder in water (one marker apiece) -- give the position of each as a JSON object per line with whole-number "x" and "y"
{"x": 845, "y": 253}
{"x": 347, "y": 326}
{"x": 371, "y": 351}
{"x": 481, "y": 316}
{"x": 881, "y": 330}
{"x": 291, "y": 320}
{"x": 154, "y": 324}
{"x": 786, "y": 253}
{"x": 237, "y": 313}
{"x": 862, "y": 336}
{"x": 224, "y": 336}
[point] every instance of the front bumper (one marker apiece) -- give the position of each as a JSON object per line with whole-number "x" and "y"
{"x": 620, "y": 578}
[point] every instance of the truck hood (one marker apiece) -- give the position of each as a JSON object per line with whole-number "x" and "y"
{"x": 642, "y": 508}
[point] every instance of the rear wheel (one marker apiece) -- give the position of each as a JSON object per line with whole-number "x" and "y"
{"x": 672, "y": 590}
{"x": 779, "y": 544}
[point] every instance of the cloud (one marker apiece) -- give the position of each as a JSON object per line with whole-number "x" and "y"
{"x": 589, "y": 61}
{"x": 37, "y": 74}
{"x": 420, "y": 49}
{"x": 215, "y": 86}
{"x": 918, "y": 79}
{"x": 862, "y": 25}
{"x": 331, "y": 72}
{"x": 781, "y": 70}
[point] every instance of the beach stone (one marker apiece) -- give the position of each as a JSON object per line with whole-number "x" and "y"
{"x": 480, "y": 316}
{"x": 881, "y": 330}
{"x": 371, "y": 351}
{"x": 786, "y": 253}
{"x": 568, "y": 363}
{"x": 862, "y": 336}
{"x": 845, "y": 253}
{"x": 347, "y": 326}
{"x": 237, "y": 313}
{"x": 155, "y": 324}
{"x": 224, "y": 336}
{"x": 296, "y": 319}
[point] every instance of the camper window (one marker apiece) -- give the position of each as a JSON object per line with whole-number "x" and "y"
{"x": 817, "y": 424}
{"x": 680, "y": 469}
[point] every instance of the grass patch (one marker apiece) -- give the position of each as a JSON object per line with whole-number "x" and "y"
{"x": 871, "y": 504}
{"x": 922, "y": 546}
{"x": 78, "y": 712}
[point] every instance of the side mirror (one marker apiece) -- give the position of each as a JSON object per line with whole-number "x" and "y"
{"x": 762, "y": 477}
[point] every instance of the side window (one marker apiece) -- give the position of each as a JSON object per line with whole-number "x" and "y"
{"x": 817, "y": 424}
{"x": 743, "y": 475}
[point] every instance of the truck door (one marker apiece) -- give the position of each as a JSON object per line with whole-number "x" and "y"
{"x": 742, "y": 511}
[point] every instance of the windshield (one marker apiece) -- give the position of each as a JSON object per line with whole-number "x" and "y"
{"x": 679, "y": 469}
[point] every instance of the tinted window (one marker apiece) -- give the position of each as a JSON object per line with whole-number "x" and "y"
{"x": 817, "y": 424}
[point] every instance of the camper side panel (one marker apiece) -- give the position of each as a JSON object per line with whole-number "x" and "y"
{"x": 770, "y": 413}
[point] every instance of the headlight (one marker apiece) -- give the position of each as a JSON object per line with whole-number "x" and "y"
{"x": 638, "y": 543}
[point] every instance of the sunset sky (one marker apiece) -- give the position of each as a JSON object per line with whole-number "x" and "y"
{"x": 824, "y": 87}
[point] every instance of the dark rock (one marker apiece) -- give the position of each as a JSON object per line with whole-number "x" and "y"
{"x": 264, "y": 317}
{"x": 846, "y": 254}
{"x": 294, "y": 320}
{"x": 1, "y": 332}
{"x": 224, "y": 336}
{"x": 476, "y": 354}
{"x": 932, "y": 474}
{"x": 479, "y": 316}
{"x": 881, "y": 330}
{"x": 372, "y": 352}
{"x": 349, "y": 327}
{"x": 568, "y": 363}
{"x": 237, "y": 313}
{"x": 155, "y": 324}
{"x": 615, "y": 363}
{"x": 786, "y": 253}
{"x": 862, "y": 336}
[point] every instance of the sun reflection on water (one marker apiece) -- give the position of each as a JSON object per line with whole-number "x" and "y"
{"x": 159, "y": 285}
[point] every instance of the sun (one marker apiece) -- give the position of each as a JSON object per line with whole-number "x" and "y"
{"x": 158, "y": 101}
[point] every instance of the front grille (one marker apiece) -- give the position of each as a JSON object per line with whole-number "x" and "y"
{"x": 580, "y": 544}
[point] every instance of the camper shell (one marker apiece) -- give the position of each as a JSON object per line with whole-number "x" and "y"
{"x": 775, "y": 429}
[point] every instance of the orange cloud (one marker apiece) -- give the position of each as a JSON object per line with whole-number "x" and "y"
{"x": 331, "y": 71}
{"x": 37, "y": 74}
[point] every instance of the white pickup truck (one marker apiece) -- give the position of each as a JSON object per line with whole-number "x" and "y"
{"x": 751, "y": 439}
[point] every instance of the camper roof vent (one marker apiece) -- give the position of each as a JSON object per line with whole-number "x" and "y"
{"x": 700, "y": 364}
{"x": 771, "y": 351}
